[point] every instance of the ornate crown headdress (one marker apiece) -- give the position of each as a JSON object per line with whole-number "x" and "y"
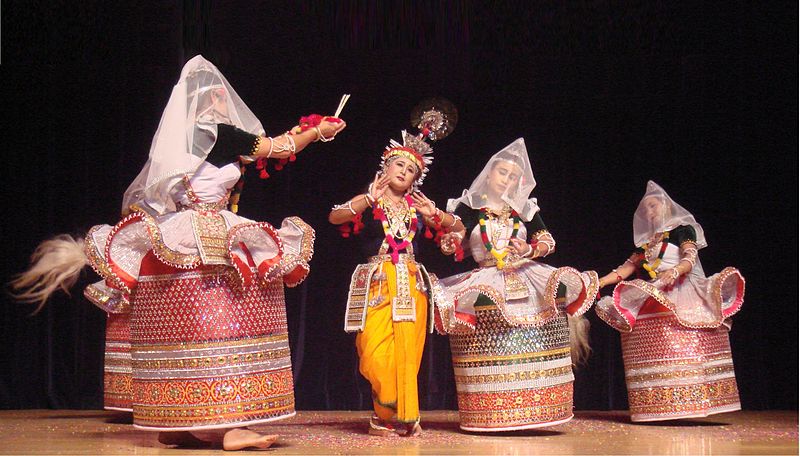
{"x": 435, "y": 118}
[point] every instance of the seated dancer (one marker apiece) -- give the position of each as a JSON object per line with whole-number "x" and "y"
{"x": 675, "y": 321}
{"x": 388, "y": 300}
{"x": 202, "y": 287}
{"x": 512, "y": 343}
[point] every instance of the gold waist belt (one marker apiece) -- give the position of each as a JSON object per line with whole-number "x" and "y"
{"x": 403, "y": 258}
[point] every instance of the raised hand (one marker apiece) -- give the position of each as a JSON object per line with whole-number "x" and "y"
{"x": 378, "y": 186}
{"x": 424, "y": 206}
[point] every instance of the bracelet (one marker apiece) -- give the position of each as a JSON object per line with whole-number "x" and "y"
{"x": 322, "y": 137}
{"x": 348, "y": 205}
{"x": 456, "y": 219}
{"x": 690, "y": 256}
{"x": 675, "y": 273}
{"x": 369, "y": 199}
{"x": 271, "y": 144}
{"x": 530, "y": 252}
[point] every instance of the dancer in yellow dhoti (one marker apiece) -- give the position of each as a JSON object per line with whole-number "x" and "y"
{"x": 389, "y": 295}
{"x": 391, "y": 352}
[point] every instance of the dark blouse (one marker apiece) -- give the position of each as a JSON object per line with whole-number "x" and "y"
{"x": 469, "y": 217}
{"x": 677, "y": 236}
{"x": 371, "y": 236}
{"x": 231, "y": 143}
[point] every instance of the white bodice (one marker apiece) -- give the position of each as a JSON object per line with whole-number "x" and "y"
{"x": 209, "y": 183}
{"x": 499, "y": 235}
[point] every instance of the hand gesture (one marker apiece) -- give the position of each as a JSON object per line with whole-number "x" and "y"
{"x": 449, "y": 242}
{"x": 378, "y": 186}
{"x": 330, "y": 127}
{"x": 668, "y": 277}
{"x": 518, "y": 246}
{"x": 424, "y": 206}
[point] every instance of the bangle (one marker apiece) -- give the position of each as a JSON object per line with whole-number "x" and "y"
{"x": 530, "y": 252}
{"x": 619, "y": 277}
{"x": 368, "y": 198}
{"x": 322, "y": 137}
{"x": 348, "y": 205}
{"x": 675, "y": 273}
{"x": 319, "y": 133}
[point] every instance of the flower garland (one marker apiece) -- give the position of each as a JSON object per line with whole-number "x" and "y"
{"x": 651, "y": 268}
{"x": 394, "y": 246}
{"x": 498, "y": 255}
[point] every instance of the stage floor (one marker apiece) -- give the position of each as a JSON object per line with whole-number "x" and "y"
{"x": 309, "y": 433}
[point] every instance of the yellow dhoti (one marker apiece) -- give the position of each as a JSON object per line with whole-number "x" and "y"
{"x": 390, "y": 352}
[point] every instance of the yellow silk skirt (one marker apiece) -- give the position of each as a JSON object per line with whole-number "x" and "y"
{"x": 390, "y": 352}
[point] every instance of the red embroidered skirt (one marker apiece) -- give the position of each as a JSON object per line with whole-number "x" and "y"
{"x": 677, "y": 372}
{"x": 117, "y": 380}
{"x": 207, "y": 352}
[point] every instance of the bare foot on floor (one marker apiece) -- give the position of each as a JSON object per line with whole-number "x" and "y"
{"x": 182, "y": 439}
{"x": 238, "y": 439}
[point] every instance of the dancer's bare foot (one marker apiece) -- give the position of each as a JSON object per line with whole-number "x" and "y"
{"x": 182, "y": 439}
{"x": 413, "y": 430}
{"x": 381, "y": 428}
{"x": 238, "y": 439}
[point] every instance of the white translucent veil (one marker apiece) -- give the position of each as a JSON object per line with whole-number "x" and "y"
{"x": 200, "y": 100}
{"x": 518, "y": 196}
{"x": 671, "y": 217}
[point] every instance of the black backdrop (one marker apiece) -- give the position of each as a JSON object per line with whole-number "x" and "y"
{"x": 699, "y": 97}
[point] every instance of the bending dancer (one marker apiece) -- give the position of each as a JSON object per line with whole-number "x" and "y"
{"x": 674, "y": 323}
{"x": 510, "y": 336}
{"x": 389, "y": 296}
{"x": 203, "y": 287}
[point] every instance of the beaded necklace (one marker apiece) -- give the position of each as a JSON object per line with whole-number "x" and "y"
{"x": 487, "y": 243}
{"x": 652, "y": 267}
{"x": 394, "y": 246}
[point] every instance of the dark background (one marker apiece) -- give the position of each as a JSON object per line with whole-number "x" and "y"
{"x": 698, "y": 96}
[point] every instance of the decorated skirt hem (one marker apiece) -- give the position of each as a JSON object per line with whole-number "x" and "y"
{"x": 517, "y": 427}
{"x": 453, "y": 321}
{"x": 642, "y": 418}
{"x": 230, "y": 425}
{"x": 623, "y": 320}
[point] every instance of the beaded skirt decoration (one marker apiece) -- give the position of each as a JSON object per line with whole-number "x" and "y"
{"x": 677, "y": 372}
{"x": 117, "y": 380}
{"x": 207, "y": 351}
{"x": 512, "y": 377}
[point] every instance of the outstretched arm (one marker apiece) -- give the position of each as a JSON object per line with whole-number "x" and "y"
{"x": 284, "y": 145}
{"x": 621, "y": 272}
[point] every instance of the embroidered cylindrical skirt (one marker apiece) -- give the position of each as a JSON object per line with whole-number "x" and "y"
{"x": 677, "y": 372}
{"x": 208, "y": 353}
{"x": 512, "y": 377}
{"x": 117, "y": 381}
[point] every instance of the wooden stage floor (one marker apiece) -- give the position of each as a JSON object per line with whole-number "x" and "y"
{"x": 311, "y": 433}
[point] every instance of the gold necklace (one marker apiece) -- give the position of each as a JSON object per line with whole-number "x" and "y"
{"x": 398, "y": 218}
